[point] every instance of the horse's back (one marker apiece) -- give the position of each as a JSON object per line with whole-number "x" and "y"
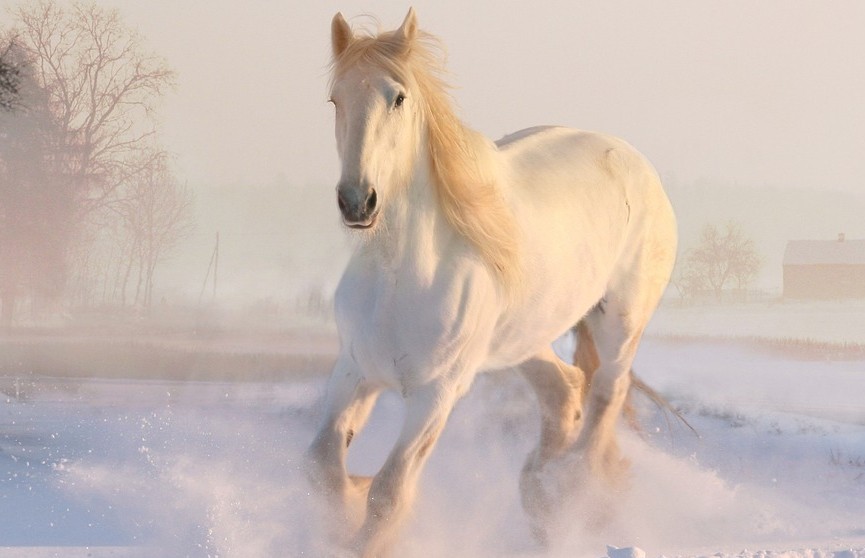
{"x": 558, "y": 169}
{"x": 590, "y": 206}
{"x": 562, "y": 149}
{"x": 514, "y": 137}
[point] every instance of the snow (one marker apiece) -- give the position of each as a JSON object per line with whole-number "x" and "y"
{"x": 109, "y": 468}
{"x": 840, "y": 321}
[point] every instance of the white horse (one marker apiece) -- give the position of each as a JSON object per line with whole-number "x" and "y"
{"x": 474, "y": 257}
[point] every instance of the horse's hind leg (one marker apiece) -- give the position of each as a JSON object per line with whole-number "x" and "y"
{"x": 559, "y": 388}
{"x": 616, "y": 327}
{"x": 616, "y": 340}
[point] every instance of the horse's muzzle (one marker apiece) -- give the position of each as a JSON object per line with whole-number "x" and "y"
{"x": 358, "y": 205}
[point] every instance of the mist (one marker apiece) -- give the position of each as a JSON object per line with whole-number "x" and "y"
{"x": 749, "y": 112}
{"x": 739, "y": 107}
{"x": 156, "y": 398}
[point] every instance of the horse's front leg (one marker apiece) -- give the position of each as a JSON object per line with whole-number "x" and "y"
{"x": 393, "y": 489}
{"x": 348, "y": 403}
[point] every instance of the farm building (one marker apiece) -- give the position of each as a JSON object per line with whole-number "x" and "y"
{"x": 824, "y": 269}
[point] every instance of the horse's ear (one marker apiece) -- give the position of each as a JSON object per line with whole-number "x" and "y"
{"x": 340, "y": 34}
{"x": 408, "y": 30}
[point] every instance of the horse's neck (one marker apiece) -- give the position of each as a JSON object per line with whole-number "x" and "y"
{"x": 415, "y": 232}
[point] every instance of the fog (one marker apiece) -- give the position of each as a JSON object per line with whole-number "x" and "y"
{"x": 759, "y": 98}
{"x": 200, "y": 397}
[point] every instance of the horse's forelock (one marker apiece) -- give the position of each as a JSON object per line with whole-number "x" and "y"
{"x": 388, "y": 50}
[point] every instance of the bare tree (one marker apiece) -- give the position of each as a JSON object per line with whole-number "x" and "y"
{"x": 103, "y": 87}
{"x": 82, "y": 119}
{"x": 723, "y": 257}
{"x": 688, "y": 280}
{"x": 157, "y": 213}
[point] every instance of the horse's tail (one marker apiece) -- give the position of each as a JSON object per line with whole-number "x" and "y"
{"x": 663, "y": 405}
{"x": 586, "y": 358}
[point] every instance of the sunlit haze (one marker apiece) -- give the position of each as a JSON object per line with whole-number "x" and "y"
{"x": 745, "y": 95}
{"x": 740, "y": 92}
{"x": 174, "y": 382}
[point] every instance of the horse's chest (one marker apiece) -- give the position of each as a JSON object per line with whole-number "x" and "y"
{"x": 402, "y": 335}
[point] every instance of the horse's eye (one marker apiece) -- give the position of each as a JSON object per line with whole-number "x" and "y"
{"x": 400, "y": 99}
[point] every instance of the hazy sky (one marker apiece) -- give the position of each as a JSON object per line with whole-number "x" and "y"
{"x": 740, "y": 92}
{"x": 736, "y": 92}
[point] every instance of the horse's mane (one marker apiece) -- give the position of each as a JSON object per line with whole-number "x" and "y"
{"x": 466, "y": 178}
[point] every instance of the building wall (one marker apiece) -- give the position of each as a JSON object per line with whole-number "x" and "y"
{"x": 824, "y": 281}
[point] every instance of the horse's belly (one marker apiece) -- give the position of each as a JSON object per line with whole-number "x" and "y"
{"x": 565, "y": 279}
{"x": 523, "y": 334}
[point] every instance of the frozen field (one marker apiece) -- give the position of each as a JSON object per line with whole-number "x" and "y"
{"x": 155, "y": 468}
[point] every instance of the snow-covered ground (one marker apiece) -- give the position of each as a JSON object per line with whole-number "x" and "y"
{"x": 122, "y": 468}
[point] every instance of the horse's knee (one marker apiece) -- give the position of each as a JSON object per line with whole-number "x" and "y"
{"x": 610, "y": 383}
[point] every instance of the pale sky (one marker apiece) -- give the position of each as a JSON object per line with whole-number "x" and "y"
{"x": 737, "y": 92}
{"x": 741, "y": 92}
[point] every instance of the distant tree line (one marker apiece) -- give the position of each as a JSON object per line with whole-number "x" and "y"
{"x": 88, "y": 202}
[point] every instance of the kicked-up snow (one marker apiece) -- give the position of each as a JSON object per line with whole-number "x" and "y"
{"x": 154, "y": 468}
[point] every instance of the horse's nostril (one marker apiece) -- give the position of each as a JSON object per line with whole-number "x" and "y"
{"x": 353, "y": 206}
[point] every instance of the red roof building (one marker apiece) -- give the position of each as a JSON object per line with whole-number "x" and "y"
{"x": 824, "y": 269}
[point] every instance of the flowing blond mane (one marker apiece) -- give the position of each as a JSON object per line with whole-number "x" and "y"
{"x": 461, "y": 160}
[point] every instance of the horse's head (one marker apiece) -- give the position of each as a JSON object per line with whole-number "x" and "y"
{"x": 377, "y": 118}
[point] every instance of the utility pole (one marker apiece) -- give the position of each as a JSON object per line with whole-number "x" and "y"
{"x": 213, "y": 265}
